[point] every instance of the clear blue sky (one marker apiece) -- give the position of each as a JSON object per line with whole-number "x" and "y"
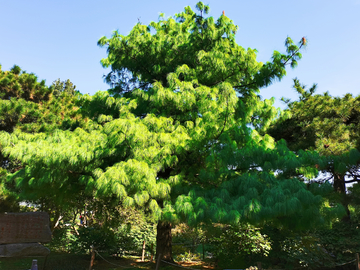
{"x": 57, "y": 39}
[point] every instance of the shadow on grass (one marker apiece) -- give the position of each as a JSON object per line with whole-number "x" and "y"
{"x": 65, "y": 261}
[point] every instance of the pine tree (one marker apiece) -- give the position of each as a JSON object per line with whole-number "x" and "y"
{"x": 29, "y": 106}
{"x": 183, "y": 141}
{"x": 59, "y": 87}
{"x": 328, "y": 125}
{"x": 15, "y": 83}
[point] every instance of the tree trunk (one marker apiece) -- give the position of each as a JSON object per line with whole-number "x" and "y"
{"x": 340, "y": 187}
{"x": 164, "y": 241}
{"x": 339, "y": 183}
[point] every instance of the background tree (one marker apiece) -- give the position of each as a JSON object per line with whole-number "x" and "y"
{"x": 29, "y": 106}
{"x": 59, "y": 87}
{"x": 179, "y": 147}
{"x": 20, "y": 84}
{"x": 329, "y": 125}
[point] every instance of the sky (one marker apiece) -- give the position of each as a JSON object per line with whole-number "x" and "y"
{"x": 58, "y": 39}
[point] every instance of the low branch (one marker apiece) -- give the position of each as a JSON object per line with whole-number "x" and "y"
{"x": 352, "y": 181}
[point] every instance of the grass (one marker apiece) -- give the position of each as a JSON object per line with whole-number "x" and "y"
{"x": 65, "y": 261}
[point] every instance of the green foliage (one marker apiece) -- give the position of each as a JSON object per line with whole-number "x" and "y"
{"x": 80, "y": 240}
{"x": 329, "y": 126}
{"x": 185, "y": 255}
{"x": 322, "y": 248}
{"x": 178, "y": 143}
{"x": 238, "y": 245}
{"x": 63, "y": 87}
{"x": 317, "y": 121}
{"x": 103, "y": 239}
{"x": 291, "y": 249}
{"x": 341, "y": 241}
{"x": 187, "y": 242}
{"x": 130, "y": 237}
{"x": 63, "y": 240}
{"x": 20, "y": 84}
{"x": 110, "y": 228}
{"x": 200, "y": 44}
{"x": 354, "y": 194}
{"x": 31, "y": 106}
{"x": 8, "y": 199}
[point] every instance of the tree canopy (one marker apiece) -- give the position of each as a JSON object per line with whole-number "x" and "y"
{"x": 328, "y": 125}
{"x": 322, "y": 122}
{"x": 28, "y": 106}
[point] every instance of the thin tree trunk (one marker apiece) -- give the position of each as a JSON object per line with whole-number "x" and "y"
{"x": 152, "y": 252}
{"x": 143, "y": 252}
{"x": 164, "y": 241}
{"x": 92, "y": 257}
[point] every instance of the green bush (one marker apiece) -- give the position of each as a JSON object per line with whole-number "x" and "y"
{"x": 63, "y": 239}
{"x": 187, "y": 243}
{"x": 130, "y": 238}
{"x": 237, "y": 246}
{"x": 103, "y": 239}
{"x": 297, "y": 249}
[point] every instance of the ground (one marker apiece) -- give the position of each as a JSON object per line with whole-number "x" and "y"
{"x": 82, "y": 262}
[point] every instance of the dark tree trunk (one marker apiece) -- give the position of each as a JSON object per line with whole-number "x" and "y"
{"x": 339, "y": 186}
{"x": 339, "y": 183}
{"x": 164, "y": 241}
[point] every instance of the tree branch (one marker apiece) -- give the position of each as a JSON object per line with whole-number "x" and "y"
{"x": 226, "y": 116}
{"x": 352, "y": 181}
{"x": 272, "y": 73}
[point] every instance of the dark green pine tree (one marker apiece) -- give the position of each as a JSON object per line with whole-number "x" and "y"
{"x": 183, "y": 141}
{"x": 20, "y": 84}
{"x": 29, "y": 106}
{"x": 60, "y": 87}
{"x": 328, "y": 125}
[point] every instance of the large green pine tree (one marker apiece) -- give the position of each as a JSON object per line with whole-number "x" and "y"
{"x": 182, "y": 141}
